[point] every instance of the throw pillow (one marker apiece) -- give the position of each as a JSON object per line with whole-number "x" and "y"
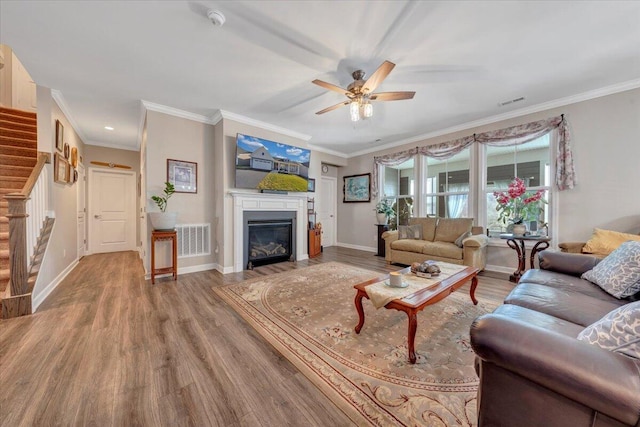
{"x": 618, "y": 331}
{"x": 619, "y": 273}
{"x": 410, "y": 232}
{"x": 463, "y": 236}
{"x": 603, "y": 242}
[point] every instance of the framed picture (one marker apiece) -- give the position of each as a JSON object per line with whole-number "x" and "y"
{"x": 357, "y": 188}
{"x": 183, "y": 175}
{"x": 311, "y": 185}
{"x": 60, "y": 169}
{"x": 66, "y": 151}
{"x": 59, "y": 136}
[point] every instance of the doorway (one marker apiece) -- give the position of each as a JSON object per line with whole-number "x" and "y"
{"x": 112, "y": 210}
{"x": 82, "y": 212}
{"x": 327, "y": 209}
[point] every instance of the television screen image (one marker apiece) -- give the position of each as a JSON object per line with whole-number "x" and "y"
{"x": 266, "y": 165}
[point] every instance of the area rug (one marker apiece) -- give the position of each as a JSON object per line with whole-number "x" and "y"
{"x": 309, "y": 316}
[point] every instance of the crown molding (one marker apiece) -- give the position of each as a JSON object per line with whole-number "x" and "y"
{"x": 111, "y": 145}
{"x": 257, "y": 123}
{"x": 159, "y": 108}
{"x": 59, "y": 99}
{"x": 561, "y": 102}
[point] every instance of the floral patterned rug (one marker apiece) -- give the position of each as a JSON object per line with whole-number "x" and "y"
{"x": 309, "y": 316}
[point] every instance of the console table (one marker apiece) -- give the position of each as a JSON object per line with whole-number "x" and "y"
{"x": 158, "y": 236}
{"x": 517, "y": 244}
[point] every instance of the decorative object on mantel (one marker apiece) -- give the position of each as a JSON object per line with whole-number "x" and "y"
{"x": 384, "y": 211}
{"x": 163, "y": 220}
{"x": 183, "y": 175}
{"x": 518, "y": 205}
{"x": 357, "y": 188}
{"x": 110, "y": 165}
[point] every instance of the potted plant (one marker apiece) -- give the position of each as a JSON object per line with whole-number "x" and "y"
{"x": 163, "y": 220}
{"x": 384, "y": 210}
{"x": 517, "y": 205}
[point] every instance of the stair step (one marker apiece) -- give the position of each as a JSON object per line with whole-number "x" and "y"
{"x": 29, "y": 161}
{"x": 10, "y": 132}
{"x": 18, "y": 171}
{"x": 13, "y": 118}
{"x": 15, "y": 112}
{"x": 12, "y": 141}
{"x": 31, "y": 152}
{"x": 12, "y": 184}
{"x": 26, "y": 127}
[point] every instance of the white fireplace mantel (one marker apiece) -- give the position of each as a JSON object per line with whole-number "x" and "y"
{"x": 243, "y": 201}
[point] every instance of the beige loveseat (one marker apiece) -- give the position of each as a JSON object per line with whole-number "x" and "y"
{"x": 438, "y": 243}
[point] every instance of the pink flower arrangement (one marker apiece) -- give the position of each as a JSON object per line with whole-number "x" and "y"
{"x": 517, "y": 204}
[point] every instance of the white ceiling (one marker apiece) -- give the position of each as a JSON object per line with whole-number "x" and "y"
{"x": 462, "y": 59}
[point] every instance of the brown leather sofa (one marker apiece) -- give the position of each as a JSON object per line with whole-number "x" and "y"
{"x": 534, "y": 372}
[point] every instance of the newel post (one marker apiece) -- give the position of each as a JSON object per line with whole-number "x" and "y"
{"x": 17, "y": 242}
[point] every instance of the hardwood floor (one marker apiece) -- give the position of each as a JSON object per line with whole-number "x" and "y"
{"x": 108, "y": 348}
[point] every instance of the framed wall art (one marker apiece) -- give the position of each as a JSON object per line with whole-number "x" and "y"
{"x": 60, "y": 169}
{"x": 59, "y": 136}
{"x": 357, "y": 188}
{"x": 183, "y": 175}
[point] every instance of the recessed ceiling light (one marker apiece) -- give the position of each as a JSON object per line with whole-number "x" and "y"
{"x": 108, "y": 128}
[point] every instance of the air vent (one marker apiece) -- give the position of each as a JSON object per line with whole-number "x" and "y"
{"x": 193, "y": 240}
{"x": 502, "y": 104}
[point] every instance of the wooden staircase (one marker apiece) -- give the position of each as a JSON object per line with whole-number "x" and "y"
{"x": 18, "y": 156}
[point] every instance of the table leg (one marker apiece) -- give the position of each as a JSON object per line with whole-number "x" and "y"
{"x": 358, "y": 302}
{"x": 411, "y": 338}
{"x": 472, "y": 292}
{"x": 520, "y": 250}
{"x": 538, "y": 248}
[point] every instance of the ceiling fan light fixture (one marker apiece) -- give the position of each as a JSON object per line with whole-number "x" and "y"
{"x": 354, "y": 110}
{"x": 367, "y": 110}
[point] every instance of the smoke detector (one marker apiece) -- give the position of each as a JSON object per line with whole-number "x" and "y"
{"x": 216, "y": 17}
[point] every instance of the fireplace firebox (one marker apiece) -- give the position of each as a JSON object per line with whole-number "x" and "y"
{"x": 269, "y": 241}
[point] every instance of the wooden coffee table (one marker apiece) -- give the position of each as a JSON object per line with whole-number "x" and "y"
{"x": 412, "y": 304}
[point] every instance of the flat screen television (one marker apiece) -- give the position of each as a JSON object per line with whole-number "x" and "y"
{"x": 267, "y": 165}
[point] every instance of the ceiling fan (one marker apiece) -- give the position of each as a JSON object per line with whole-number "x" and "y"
{"x": 360, "y": 92}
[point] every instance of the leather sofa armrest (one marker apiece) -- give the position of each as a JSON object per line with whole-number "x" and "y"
{"x": 562, "y": 262}
{"x": 476, "y": 241}
{"x": 606, "y": 381}
{"x": 390, "y": 236}
{"x": 572, "y": 247}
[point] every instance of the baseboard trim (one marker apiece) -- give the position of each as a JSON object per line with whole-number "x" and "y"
{"x": 358, "y": 247}
{"x": 39, "y": 299}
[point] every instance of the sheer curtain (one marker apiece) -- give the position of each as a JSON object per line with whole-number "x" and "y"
{"x": 456, "y": 202}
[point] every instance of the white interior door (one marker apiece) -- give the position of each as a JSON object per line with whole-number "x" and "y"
{"x": 82, "y": 211}
{"x": 327, "y": 207}
{"x": 112, "y": 210}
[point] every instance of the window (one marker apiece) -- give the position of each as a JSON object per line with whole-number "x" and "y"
{"x": 530, "y": 162}
{"x": 398, "y": 187}
{"x": 446, "y": 193}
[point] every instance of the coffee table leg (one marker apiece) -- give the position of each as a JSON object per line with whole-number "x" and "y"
{"x": 472, "y": 292}
{"x": 411, "y": 338}
{"x": 358, "y": 302}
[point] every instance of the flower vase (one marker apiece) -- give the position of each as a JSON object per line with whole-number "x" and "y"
{"x": 519, "y": 229}
{"x": 381, "y": 218}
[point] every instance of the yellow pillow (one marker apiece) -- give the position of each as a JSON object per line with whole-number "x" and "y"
{"x": 603, "y": 242}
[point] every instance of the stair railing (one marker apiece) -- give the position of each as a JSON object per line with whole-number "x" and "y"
{"x": 27, "y": 212}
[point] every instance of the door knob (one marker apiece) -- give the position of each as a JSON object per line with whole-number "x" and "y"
{"x": 97, "y": 216}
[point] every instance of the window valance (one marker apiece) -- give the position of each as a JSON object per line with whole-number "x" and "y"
{"x": 514, "y": 135}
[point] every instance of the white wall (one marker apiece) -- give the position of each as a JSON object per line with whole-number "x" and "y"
{"x": 605, "y": 133}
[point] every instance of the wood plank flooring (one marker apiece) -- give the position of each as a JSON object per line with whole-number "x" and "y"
{"x": 108, "y": 348}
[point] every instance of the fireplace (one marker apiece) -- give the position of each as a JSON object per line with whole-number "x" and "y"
{"x": 269, "y": 237}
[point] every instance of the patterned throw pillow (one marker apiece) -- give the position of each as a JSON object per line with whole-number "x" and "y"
{"x": 410, "y": 232}
{"x": 619, "y": 273}
{"x": 463, "y": 236}
{"x": 618, "y": 331}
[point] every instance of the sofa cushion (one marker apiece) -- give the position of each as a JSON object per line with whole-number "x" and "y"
{"x": 574, "y": 307}
{"x": 408, "y": 245}
{"x": 460, "y": 238}
{"x": 603, "y": 242}
{"x": 540, "y": 320}
{"x": 567, "y": 283}
{"x": 428, "y": 227}
{"x": 442, "y": 249}
{"x": 618, "y": 331}
{"x": 449, "y": 229}
{"x": 410, "y": 231}
{"x": 619, "y": 273}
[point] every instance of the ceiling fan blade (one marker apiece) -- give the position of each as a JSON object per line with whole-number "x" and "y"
{"x": 377, "y": 77}
{"x": 391, "y": 96}
{"x": 331, "y": 87}
{"x": 333, "y": 107}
